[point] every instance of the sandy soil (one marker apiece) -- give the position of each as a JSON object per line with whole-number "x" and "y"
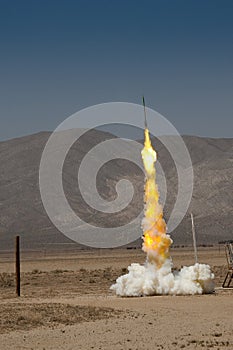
{"x": 65, "y": 303}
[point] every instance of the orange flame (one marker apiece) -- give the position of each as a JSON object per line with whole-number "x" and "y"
{"x": 156, "y": 242}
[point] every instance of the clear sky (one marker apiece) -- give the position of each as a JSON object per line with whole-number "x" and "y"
{"x": 57, "y": 57}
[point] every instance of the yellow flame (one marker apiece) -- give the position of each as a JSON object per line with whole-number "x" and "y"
{"x": 156, "y": 242}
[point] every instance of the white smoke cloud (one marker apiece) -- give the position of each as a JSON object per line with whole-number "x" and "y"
{"x": 143, "y": 280}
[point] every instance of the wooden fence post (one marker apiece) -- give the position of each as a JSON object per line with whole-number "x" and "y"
{"x": 17, "y": 265}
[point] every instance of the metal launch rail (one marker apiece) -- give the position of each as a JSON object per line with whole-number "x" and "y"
{"x": 229, "y": 256}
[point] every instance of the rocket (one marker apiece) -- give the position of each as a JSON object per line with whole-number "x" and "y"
{"x": 144, "y": 105}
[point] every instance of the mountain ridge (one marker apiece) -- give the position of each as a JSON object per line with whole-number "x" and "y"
{"x": 22, "y": 210}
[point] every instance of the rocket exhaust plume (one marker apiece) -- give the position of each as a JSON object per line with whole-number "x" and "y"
{"x": 155, "y": 277}
{"x": 156, "y": 242}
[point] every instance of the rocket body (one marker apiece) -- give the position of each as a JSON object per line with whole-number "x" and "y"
{"x": 144, "y": 106}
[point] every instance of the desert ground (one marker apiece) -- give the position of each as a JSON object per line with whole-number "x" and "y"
{"x": 66, "y": 303}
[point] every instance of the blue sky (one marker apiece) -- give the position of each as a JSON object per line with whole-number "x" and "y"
{"x": 57, "y": 57}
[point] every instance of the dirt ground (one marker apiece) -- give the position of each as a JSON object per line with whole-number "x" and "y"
{"x": 66, "y": 303}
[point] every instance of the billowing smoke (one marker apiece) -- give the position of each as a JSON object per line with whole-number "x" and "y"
{"x": 156, "y": 276}
{"x": 146, "y": 279}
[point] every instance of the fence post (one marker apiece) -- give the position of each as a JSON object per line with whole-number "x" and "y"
{"x": 17, "y": 265}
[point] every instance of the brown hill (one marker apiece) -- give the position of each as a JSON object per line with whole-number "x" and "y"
{"x": 21, "y": 209}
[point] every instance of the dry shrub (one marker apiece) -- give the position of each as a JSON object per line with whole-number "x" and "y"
{"x": 6, "y": 280}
